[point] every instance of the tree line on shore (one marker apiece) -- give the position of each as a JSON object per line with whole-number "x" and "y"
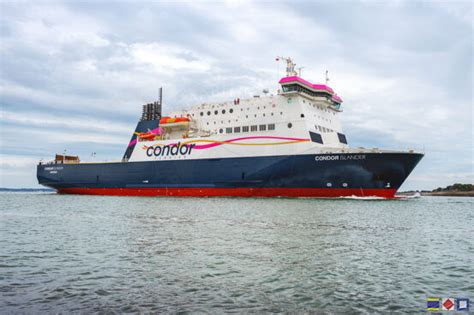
{"x": 455, "y": 187}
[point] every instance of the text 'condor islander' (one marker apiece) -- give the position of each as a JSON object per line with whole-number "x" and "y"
{"x": 290, "y": 144}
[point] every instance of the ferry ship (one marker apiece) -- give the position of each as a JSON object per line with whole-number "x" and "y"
{"x": 287, "y": 144}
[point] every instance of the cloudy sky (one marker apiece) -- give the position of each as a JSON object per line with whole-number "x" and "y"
{"x": 74, "y": 74}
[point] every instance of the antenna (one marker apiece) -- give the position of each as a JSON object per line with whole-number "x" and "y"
{"x": 327, "y": 77}
{"x": 161, "y": 95}
{"x": 290, "y": 66}
{"x": 299, "y": 71}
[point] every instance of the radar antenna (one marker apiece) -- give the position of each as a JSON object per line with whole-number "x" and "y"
{"x": 290, "y": 66}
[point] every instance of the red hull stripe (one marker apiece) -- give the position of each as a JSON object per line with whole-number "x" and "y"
{"x": 233, "y": 192}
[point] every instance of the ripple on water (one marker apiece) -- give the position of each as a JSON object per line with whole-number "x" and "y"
{"x": 114, "y": 255}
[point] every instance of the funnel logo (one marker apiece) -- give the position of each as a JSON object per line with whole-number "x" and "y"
{"x": 167, "y": 150}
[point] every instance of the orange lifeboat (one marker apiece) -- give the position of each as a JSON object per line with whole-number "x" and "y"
{"x": 169, "y": 120}
{"x": 146, "y": 136}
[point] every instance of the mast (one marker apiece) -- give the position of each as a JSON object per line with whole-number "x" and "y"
{"x": 290, "y": 66}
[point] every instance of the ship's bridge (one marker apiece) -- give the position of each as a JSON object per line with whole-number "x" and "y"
{"x": 295, "y": 84}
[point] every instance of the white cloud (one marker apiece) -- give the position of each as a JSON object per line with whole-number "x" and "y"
{"x": 165, "y": 57}
{"x": 398, "y": 76}
{"x": 56, "y": 123}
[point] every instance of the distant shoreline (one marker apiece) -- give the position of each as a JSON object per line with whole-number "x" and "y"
{"x": 438, "y": 193}
{"x": 26, "y": 190}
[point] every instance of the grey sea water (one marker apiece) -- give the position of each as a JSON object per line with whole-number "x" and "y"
{"x": 117, "y": 254}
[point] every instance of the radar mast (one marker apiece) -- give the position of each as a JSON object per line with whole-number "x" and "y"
{"x": 290, "y": 66}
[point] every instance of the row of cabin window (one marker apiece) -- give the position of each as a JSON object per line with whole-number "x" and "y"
{"x": 323, "y": 129}
{"x": 216, "y": 112}
{"x": 230, "y": 111}
{"x": 248, "y": 128}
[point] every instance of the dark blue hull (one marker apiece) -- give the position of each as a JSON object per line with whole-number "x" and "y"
{"x": 322, "y": 175}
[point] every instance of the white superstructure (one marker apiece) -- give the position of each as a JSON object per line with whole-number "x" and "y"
{"x": 300, "y": 118}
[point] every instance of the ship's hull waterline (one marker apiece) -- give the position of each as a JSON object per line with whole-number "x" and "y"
{"x": 311, "y": 175}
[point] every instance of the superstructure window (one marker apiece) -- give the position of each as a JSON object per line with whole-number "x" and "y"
{"x": 228, "y": 130}
{"x": 271, "y": 126}
{"x": 342, "y": 138}
{"x": 262, "y": 127}
{"x": 245, "y": 129}
{"x": 253, "y": 128}
{"x": 316, "y": 137}
{"x": 236, "y": 129}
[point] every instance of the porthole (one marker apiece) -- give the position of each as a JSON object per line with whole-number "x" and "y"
{"x": 216, "y": 112}
{"x": 221, "y": 130}
{"x": 223, "y": 111}
{"x": 202, "y": 114}
{"x": 208, "y": 113}
{"x": 290, "y": 125}
{"x": 231, "y": 110}
{"x": 302, "y": 115}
